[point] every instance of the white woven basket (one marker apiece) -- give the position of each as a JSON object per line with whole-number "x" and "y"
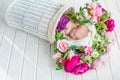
{"x": 39, "y": 18}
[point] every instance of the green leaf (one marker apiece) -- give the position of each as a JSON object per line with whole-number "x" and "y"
{"x": 95, "y": 1}
{"x": 105, "y": 16}
{"x": 58, "y": 35}
{"x": 81, "y": 11}
{"x": 55, "y": 49}
{"x": 74, "y": 47}
{"x": 101, "y": 27}
{"x": 65, "y": 55}
{"x": 59, "y": 66}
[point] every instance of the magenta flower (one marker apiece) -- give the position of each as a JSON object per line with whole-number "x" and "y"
{"x": 80, "y": 68}
{"x": 103, "y": 10}
{"x": 110, "y": 23}
{"x": 71, "y": 63}
{"x": 87, "y": 50}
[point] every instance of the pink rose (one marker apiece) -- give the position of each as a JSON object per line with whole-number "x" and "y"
{"x": 62, "y": 45}
{"x": 71, "y": 63}
{"x": 110, "y": 23}
{"x": 80, "y": 68}
{"x": 57, "y": 56}
{"x": 87, "y": 50}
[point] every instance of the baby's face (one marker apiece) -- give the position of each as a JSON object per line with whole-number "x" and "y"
{"x": 78, "y": 32}
{"x": 68, "y": 28}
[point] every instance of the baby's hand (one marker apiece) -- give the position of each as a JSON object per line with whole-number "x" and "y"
{"x": 79, "y": 32}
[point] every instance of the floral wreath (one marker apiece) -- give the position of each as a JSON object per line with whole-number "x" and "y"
{"x": 78, "y": 60}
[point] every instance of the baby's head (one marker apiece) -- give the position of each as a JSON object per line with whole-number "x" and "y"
{"x": 71, "y": 29}
{"x": 65, "y": 25}
{"x": 79, "y": 32}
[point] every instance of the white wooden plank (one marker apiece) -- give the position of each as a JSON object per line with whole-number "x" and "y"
{"x": 114, "y": 61}
{"x": 117, "y": 4}
{"x": 90, "y": 75}
{"x": 5, "y": 49}
{"x": 43, "y": 65}
{"x": 29, "y": 59}
{"x": 16, "y": 60}
{"x": 78, "y": 3}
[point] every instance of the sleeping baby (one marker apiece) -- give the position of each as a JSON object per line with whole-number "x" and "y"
{"x": 80, "y": 35}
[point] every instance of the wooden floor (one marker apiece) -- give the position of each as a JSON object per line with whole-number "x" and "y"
{"x": 26, "y": 57}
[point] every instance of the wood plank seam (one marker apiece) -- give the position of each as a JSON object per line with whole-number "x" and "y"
{"x": 21, "y": 71}
{"x": 10, "y": 53}
{"x": 36, "y": 61}
{"x": 2, "y": 35}
{"x": 96, "y": 73}
{"x": 51, "y": 58}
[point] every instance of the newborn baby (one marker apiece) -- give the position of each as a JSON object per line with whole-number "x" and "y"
{"x": 80, "y": 35}
{"x": 79, "y": 32}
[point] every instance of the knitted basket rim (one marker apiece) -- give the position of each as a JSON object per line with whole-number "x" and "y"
{"x": 54, "y": 22}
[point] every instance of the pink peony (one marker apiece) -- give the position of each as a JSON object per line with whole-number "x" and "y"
{"x": 87, "y": 50}
{"x": 98, "y": 11}
{"x": 57, "y": 56}
{"x": 71, "y": 63}
{"x": 110, "y": 23}
{"x": 80, "y": 68}
{"x": 62, "y": 45}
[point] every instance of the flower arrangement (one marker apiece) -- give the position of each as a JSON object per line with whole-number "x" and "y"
{"x": 79, "y": 59}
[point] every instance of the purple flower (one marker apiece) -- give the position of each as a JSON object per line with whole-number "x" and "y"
{"x": 62, "y": 23}
{"x": 71, "y": 63}
{"x": 80, "y": 68}
{"x": 110, "y": 23}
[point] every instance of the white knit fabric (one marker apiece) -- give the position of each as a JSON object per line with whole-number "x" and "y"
{"x": 32, "y": 16}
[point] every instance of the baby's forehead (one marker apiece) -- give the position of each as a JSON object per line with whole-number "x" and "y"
{"x": 81, "y": 26}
